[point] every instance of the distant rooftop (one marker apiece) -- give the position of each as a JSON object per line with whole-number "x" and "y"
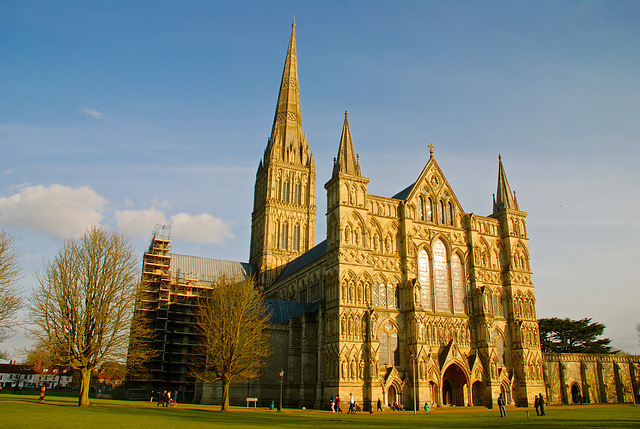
{"x": 282, "y": 311}
{"x": 208, "y": 270}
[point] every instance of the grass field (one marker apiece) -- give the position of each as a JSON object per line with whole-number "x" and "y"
{"x": 24, "y": 411}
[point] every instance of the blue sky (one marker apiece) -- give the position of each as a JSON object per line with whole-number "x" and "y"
{"x": 132, "y": 113}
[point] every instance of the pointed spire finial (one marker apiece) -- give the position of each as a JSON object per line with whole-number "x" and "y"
{"x": 504, "y": 198}
{"x": 347, "y": 161}
{"x": 293, "y": 24}
{"x": 431, "y": 146}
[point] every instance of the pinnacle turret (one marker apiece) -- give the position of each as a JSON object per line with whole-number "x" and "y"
{"x": 346, "y": 161}
{"x": 504, "y": 198}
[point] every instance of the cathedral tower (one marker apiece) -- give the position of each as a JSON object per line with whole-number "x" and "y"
{"x": 522, "y": 324}
{"x": 283, "y": 222}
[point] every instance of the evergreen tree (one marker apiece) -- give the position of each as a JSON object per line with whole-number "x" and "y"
{"x": 573, "y": 336}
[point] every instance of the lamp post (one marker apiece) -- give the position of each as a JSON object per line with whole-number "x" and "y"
{"x": 281, "y": 374}
{"x": 413, "y": 368}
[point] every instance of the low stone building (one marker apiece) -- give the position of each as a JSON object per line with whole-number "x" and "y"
{"x": 571, "y": 378}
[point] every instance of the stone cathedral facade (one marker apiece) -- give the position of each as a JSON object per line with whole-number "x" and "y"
{"x": 409, "y": 296}
{"x": 408, "y": 286}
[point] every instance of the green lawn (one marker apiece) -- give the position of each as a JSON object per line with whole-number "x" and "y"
{"x": 20, "y": 411}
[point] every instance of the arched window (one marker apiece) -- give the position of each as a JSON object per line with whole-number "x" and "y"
{"x": 388, "y": 338}
{"x": 383, "y": 294}
{"x": 424, "y": 279}
{"x": 443, "y": 215}
{"x": 285, "y": 191}
{"x": 441, "y": 276}
{"x": 430, "y": 210}
{"x": 298, "y": 193}
{"x": 450, "y": 213}
{"x": 284, "y": 240}
{"x": 458, "y": 284}
{"x": 376, "y": 292}
{"x": 296, "y": 237}
{"x": 391, "y": 296}
{"x": 420, "y": 208}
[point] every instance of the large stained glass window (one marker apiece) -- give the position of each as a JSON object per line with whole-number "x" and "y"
{"x": 441, "y": 276}
{"x": 424, "y": 279}
{"x": 457, "y": 281}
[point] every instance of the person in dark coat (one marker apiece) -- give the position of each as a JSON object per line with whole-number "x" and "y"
{"x": 542, "y": 405}
{"x": 536, "y": 404}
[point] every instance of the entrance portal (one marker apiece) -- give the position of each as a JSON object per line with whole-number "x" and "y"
{"x": 575, "y": 393}
{"x": 453, "y": 384}
{"x": 392, "y": 396}
{"x": 478, "y": 393}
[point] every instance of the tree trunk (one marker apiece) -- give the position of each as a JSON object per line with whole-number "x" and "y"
{"x": 83, "y": 400}
{"x": 225, "y": 395}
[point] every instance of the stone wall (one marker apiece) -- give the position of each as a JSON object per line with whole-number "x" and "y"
{"x": 595, "y": 378}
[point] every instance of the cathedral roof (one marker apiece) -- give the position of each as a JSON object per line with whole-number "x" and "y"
{"x": 208, "y": 269}
{"x": 282, "y": 311}
{"x": 402, "y": 195}
{"x": 305, "y": 259}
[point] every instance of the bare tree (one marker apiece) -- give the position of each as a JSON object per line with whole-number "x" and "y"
{"x": 232, "y": 322}
{"x": 10, "y": 274}
{"x": 83, "y": 305}
{"x": 140, "y": 351}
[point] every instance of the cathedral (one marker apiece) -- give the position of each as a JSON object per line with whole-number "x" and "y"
{"x": 408, "y": 300}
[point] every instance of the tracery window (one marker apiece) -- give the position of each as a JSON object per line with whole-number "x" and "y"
{"x": 376, "y": 292}
{"x": 424, "y": 279}
{"x": 450, "y": 213}
{"x": 296, "y": 237}
{"x": 441, "y": 276}
{"x": 388, "y": 338}
{"x": 297, "y": 193}
{"x": 458, "y": 284}
{"x": 284, "y": 239}
{"x": 420, "y": 208}
{"x": 285, "y": 191}
{"x": 430, "y": 210}
{"x": 442, "y": 212}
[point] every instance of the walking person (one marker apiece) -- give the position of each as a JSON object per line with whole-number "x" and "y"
{"x": 333, "y": 404}
{"x": 42, "y": 393}
{"x": 501, "y": 404}
{"x": 338, "y": 410}
{"x": 542, "y": 405}
{"x": 427, "y": 410}
{"x": 536, "y": 404}
{"x": 352, "y": 404}
{"x": 379, "y": 405}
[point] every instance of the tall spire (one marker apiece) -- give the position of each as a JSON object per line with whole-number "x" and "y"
{"x": 346, "y": 161}
{"x": 505, "y": 199}
{"x": 287, "y": 122}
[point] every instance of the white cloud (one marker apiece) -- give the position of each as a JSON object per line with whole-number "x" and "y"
{"x": 58, "y": 210}
{"x": 139, "y": 222}
{"x": 202, "y": 228}
{"x": 91, "y": 112}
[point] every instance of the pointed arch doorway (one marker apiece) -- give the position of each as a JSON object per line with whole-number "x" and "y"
{"x": 453, "y": 384}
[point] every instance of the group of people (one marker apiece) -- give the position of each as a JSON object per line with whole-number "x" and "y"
{"x": 538, "y": 404}
{"x": 164, "y": 398}
{"x": 335, "y": 404}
